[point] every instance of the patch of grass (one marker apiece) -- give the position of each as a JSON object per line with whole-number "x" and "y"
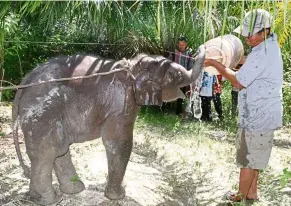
{"x": 269, "y": 186}
{"x": 154, "y": 116}
{"x": 169, "y": 122}
{"x": 75, "y": 178}
{"x": 285, "y": 177}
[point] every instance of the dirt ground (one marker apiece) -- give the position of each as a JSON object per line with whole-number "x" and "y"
{"x": 159, "y": 172}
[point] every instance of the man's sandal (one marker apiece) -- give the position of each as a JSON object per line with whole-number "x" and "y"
{"x": 233, "y": 196}
{"x": 237, "y": 197}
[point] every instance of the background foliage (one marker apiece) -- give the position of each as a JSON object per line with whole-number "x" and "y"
{"x": 33, "y": 31}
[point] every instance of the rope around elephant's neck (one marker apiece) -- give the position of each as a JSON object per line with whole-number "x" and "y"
{"x": 65, "y": 79}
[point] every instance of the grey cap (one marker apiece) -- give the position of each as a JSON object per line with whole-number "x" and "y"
{"x": 254, "y": 21}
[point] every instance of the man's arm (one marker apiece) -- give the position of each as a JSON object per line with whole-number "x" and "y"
{"x": 226, "y": 72}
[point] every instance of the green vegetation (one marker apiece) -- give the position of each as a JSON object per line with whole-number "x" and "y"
{"x": 75, "y": 178}
{"x": 285, "y": 177}
{"x": 33, "y": 31}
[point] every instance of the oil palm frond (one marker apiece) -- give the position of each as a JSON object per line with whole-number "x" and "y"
{"x": 283, "y": 22}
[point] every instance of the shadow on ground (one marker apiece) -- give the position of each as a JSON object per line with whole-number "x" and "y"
{"x": 283, "y": 143}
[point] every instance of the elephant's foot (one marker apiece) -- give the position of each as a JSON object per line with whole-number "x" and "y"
{"x": 50, "y": 197}
{"x": 115, "y": 193}
{"x": 72, "y": 187}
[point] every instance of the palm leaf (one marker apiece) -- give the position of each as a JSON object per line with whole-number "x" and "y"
{"x": 283, "y": 22}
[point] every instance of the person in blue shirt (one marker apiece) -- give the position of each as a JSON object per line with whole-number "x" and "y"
{"x": 206, "y": 94}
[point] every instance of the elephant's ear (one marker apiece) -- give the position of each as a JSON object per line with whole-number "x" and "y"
{"x": 148, "y": 85}
{"x": 171, "y": 90}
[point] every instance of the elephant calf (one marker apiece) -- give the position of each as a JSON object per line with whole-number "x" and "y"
{"x": 52, "y": 116}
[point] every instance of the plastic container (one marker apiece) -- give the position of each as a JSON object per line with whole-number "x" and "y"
{"x": 227, "y": 49}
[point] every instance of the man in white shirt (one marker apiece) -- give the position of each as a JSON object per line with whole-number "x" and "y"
{"x": 260, "y": 82}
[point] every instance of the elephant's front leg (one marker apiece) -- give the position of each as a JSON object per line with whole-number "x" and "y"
{"x": 118, "y": 144}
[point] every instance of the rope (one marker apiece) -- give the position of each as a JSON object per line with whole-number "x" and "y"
{"x": 65, "y": 79}
{"x": 92, "y": 43}
{"x": 72, "y": 43}
{"x": 194, "y": 56}
{"x": 5, "y": 82}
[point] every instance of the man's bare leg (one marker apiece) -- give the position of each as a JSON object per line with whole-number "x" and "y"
{"x": 246, "y": 179}
{"x": 253, "y": 191}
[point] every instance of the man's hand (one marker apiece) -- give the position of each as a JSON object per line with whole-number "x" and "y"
{"x": 242, "y": 60}
{"x": 214, "y": 63}
{"x": 208, "y": 62}
{"x": 226, "y": 72}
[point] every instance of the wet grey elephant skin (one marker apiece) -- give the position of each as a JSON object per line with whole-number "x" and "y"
{"x": 55, "y": 115}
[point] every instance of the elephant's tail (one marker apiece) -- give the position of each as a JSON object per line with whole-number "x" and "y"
{"x": 15, "y": 117}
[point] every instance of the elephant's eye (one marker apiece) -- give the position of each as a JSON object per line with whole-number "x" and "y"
{"x": 179, "y": 74}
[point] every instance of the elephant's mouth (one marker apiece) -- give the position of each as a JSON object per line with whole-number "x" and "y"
{"x": 172, "y": 94}
{"x": 181, "y": 94}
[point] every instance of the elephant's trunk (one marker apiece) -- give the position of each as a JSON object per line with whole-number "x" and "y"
{"x": 192, "y": 75}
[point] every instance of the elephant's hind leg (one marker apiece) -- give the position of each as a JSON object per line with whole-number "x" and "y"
{"x": 41, "y": 189}
{"x": 67, "y": 176}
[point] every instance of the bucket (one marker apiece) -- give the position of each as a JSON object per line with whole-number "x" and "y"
{"x": 227, "y": 49}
